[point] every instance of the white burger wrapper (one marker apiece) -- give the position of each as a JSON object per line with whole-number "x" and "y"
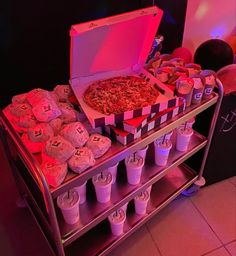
{"x": 54, "y": 173}
{"x": 75, "y": 133}
{"x": 46, "y": 110}
{"x": 20, "y": 109}
{"x": 40, "y": 133}
{"x": 36, "y": 95}
{"x": 68, "y": 113}
{"x": 33, "y": 147}
{"x": 20, "y": 98}
{"x": 63, "y": 92}
{"x": 27, "y": 121}
{"x": 59, "y": 149}
{"x": 81, "y": 160}
{"x": 98, "y": 144}
{"x": 56, "y": 125}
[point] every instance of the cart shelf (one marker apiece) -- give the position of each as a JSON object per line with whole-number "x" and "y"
{"x": 118, "y": 152}
{"x": 101, "y": 240}
{"x": 93, "y": 212}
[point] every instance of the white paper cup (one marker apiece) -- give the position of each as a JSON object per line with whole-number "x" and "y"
{"x": 81, "y": 190}
{"x": 102, "y": 184}
{"x": 167, "y": 136}
{"x": 69, "y": 205}
{"x": 189, "y": 123}
{"x": 134, "y": 166}
{"x": 140, "y": 202}
{"x": 184, "y": 89}
{"x": 210, "y": 77}
{"x": 183, "y": 138}
{"x": 113, "y": 171}
{"x": 198, "y": 87}
{"x": 117, "y": 220}
{"x": 162, "y": 150}
{"x": 124, "y": 207}
{"x": 142, "y": 152}
{"x": 149, "y": 189}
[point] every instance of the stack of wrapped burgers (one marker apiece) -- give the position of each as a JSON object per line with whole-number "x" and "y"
{"x": 50, "y": 125}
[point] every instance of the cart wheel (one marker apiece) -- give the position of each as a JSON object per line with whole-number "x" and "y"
{"x": 20, "y": 202}
{"x": 192, "y": 190}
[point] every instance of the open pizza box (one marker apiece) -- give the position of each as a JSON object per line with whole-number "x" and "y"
{"x": 115, "y": 46}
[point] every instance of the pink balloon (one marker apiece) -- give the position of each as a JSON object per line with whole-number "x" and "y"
{"x": 184, "y": 53}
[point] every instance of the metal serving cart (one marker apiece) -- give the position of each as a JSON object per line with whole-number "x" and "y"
{"x": 92, "y": 235}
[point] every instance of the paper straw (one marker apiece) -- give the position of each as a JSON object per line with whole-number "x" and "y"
{"x": 164, "y": 139}
{"x": 185, "y": 125}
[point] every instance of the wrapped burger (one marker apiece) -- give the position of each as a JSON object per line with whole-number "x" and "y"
{"x": 58, "y": 149}
{"x": 81, "y": 160}
{"x": 98, "y": 144}
{"x": 46, "y": 110}
{"x": 63, "y": 92}
{"x": 40, "y": 133}
{"x": 75, "y": 133}
{"x": 54, "y": 173}
{"x": 33, "y": 147}
{"x": 68, "y": 113}
{"x": 36, "y": 95}
{"x": 56, "y": 125}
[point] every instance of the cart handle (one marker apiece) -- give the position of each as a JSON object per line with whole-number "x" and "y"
{"x": 29, "y": 160}
{"x": 35, "y": 171}
{"x": 212, "y": 127}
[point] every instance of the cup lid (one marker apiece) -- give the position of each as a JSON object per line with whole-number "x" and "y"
{"x": 102, "y": 179}
{"x": 117, "y": 216}
{"x": 68, "y": 199}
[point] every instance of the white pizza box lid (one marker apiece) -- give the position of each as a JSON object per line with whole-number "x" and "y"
{"x": 113, "y": 43}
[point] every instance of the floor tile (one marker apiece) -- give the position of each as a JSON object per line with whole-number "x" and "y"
{"x": 218, "y": 252}
{"x": 233, "y": 180}
{"x": 217, "y": 203}
{"x": 231, "y": 247}
{"x": 139, "y": 243}
{"x": 180, "y": 230}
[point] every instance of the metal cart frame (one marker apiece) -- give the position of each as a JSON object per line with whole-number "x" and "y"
{"x": 40, "y": 198}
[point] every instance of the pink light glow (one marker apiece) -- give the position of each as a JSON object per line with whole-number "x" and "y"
{"x": 218, "y": 32}
{"x": 202, "y": 11}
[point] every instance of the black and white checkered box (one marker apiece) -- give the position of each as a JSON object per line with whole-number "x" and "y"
{"x": 124, "y": 137}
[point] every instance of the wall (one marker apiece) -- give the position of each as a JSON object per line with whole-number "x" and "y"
{"x": 172, "y": 24}
{"x": 35, "y": 42}
{"x": 206, "y": 19}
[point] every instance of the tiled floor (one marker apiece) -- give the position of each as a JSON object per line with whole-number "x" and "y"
{"x": 201, "y": 225}
{"x": 204, "y": 224}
